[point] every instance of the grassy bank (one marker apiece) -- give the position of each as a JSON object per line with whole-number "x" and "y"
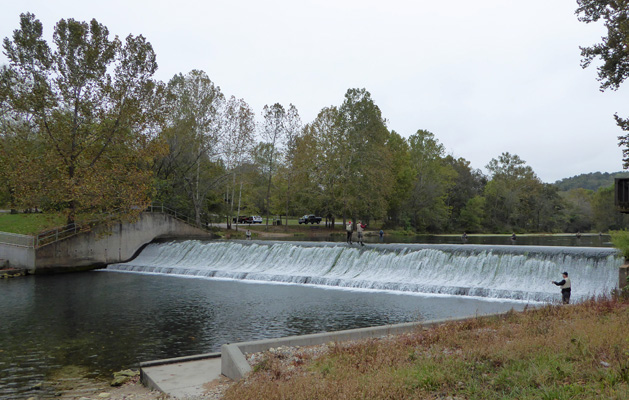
{"x": 556, "y": 352}
{"x": 29, "y": 224}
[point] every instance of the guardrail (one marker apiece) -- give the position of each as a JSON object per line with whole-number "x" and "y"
{"x": 18, "y": 240}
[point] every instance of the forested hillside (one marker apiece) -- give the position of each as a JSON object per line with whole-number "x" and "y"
{"x": 591, "y": 181}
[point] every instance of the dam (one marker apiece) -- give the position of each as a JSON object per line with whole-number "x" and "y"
{"x": 521, "y": 273}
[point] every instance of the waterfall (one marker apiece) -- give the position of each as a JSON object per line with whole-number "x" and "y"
{"x": 501, "y": 272}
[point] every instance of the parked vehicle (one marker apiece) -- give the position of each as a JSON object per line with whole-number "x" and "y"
{"x": 241, "y": 219}
{"x": 309, "y": 219}
{"x": 256, "y": 219}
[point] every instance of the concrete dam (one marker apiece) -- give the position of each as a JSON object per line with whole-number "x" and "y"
{"x": 498, "y": 272}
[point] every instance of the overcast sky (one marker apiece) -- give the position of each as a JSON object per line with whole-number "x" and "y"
{"x": 485, "y": 76}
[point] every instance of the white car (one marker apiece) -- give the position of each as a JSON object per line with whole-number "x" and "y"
{"x": 257, "y": 219}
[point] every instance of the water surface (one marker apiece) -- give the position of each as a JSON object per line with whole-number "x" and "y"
{"x": 107, "y": 321}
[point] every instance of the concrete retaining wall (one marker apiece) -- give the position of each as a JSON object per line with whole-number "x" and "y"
{"x": 235, "y": 366}
{"x": 18, "y": 256}
{"x": 99, "y": 248}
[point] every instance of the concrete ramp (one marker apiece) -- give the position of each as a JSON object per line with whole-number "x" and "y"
{"x": 182, "y": 377}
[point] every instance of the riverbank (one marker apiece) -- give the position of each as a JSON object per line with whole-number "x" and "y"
{"x": 555, "y": 352}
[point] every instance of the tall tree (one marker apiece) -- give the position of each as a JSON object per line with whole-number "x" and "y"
{"x": 90, "y": 101}
{"x": 612, "y": 51}
{"x": 239, "y": 130}
{"x": 365, "y": 168}
{"x": 433, "y": 178}
{"x": 273, "y": 133}
{"x": 193, "y": 133}
{"x": 294, "y": 129}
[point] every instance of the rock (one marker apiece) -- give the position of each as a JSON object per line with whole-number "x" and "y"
{"x": 122, "y": 377}
{"x": 605, "y": 364}
{"x": 104, "y": 395}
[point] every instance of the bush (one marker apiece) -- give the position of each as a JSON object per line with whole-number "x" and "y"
{"x": 620, "y": 239}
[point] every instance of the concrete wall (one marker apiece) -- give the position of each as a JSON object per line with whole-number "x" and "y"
{"x": 18, "y": 256}
{"x": 99, "y": 248}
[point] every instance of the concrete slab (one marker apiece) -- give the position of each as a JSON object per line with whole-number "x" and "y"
{"x": 184, "y": 378}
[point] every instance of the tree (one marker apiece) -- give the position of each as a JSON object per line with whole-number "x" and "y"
{"x": 510, "y": 192}
{"x": 239, "y": 129}
{"x": 612, "y": 51}
{"x": 88, "y": 107}
{"x": 467, "y": 184}
{"x": 433, "y": 179}
{"x": 365, "y": 161}
{"x": 293, "y": 127}
{"x": 403, "y": 175}
{"x": 274, "y": 132}
{"x": 193, "y": 133}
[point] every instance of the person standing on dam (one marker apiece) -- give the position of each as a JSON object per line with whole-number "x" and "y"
{"x": 349, "y": 229}
{"x": 565, "y": 288}
{"x": 360, "y": 228}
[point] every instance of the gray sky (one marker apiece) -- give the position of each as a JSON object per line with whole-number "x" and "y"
{"x": 484, "y": 76}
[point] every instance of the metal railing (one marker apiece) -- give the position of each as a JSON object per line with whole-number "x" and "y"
{"x": 18, "y": 240}
{"x": 63, "y": 232}
{"x": 56, "y": 234}
{"x": 181, "y": 216}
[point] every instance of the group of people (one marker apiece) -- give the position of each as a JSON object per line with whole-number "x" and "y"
{"x": 360, "y": 229}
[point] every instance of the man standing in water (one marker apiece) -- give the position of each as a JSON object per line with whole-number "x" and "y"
{"x": 565, "y": 288}
{"x": 349, "y": 229}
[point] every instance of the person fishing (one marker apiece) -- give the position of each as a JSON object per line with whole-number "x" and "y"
{"x": 565, "y": 286}
{"x": 349, "y": 230}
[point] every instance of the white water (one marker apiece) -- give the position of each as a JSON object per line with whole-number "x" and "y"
{"x": 502, "y": 272}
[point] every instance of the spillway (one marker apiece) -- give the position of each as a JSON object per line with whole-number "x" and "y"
{"x": 500, "y": 272}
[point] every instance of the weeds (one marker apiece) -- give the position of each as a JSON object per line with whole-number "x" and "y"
{"x": 555, "y": 352}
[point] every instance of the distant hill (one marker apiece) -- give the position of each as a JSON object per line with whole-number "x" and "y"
{"x": 591, "y": 181}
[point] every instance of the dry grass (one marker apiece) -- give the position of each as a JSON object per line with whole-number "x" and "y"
{"x": 556, "y": 352}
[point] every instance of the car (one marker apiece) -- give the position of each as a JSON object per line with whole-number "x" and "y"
{"x": 241, "y": 219}
{"x": 309, "y": 219}
{"x": 256, "y": 219}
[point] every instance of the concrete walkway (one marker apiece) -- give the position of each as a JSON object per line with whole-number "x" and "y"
{"x": 182, "y": 377}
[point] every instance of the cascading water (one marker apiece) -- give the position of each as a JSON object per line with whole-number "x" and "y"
{"x": 502, "y": 272}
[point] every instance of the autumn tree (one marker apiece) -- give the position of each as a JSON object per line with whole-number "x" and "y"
{"x": 87, "y": 104}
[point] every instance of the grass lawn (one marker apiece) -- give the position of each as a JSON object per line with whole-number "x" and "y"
{"x": 29, "y": 224}
{"x": 555, "y": 352}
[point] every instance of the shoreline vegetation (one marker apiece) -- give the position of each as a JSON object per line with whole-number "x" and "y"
{"x": 554, "y": 352}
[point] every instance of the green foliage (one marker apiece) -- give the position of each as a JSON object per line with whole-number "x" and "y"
{"x": 620, "y": 239}
{"x": 77, "y": 119}
{"x": 591, "y": 181}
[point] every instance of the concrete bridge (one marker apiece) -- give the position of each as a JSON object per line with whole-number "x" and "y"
{"x": 95, "y": 248}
